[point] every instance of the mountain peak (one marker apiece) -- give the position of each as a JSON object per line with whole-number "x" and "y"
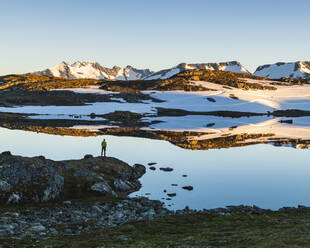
{"x": 298, "y": 69}
{"x": 233, "y": 66}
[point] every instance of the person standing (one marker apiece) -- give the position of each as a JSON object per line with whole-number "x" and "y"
{"x": 103, "y": 147}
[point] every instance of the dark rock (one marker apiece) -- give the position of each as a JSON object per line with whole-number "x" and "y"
{"x": 103, "y": 188}
{"x": 172, "y": 194}
{"x": 286, "y": 121}
{"x": 6, "y": 153}
{"x": 184, "y": 175}
{"x": 188, "y": 187}
{"x": 174, "y": 184}
{"x": 126, "y": 186}
{"x": 210, "y": 124}
{"x": 152, "y": 163}
{"x": 139, "y": 170}
{"x": 28, "y": 180}
{"x": 87, "y": 156}
{"x": 152, "y": 168}
{"x": 40, "y": 157}
{"x": 168, "y": 169}
{"x": 211, "y": 99}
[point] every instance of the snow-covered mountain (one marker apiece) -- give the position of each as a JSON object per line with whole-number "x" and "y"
{"x": 299, "y": 69}
{"x": 233, "y": 66}
{"x": 81, "y": 69}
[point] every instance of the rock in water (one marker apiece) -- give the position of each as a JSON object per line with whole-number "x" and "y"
{"x": 139, "y": 170}
{"x": 172, "y": 194}
{"x": 32, "y": 180}
{"x": 189, "y": 188}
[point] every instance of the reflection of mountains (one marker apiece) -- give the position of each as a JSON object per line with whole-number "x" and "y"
{"x": 274, "y": 131}
{"x": 271, "y": 131}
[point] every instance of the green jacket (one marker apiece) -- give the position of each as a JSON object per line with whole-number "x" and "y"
{"x": 104, "y": 144}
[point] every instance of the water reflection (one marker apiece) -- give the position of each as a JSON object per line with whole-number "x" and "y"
{"x": 264, "y": 175}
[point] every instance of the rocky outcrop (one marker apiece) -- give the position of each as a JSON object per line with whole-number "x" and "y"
{"x": 37, "y": 179}
{"x": 25, "y": 180}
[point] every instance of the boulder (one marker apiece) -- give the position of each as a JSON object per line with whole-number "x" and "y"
{"x": 189, "y": 188}
{"x": 28, "y": 180}
{"x": 123, "y": 186}
{"x": 37, "y": 179}
{"x": 87, "y": 156}
{"x": 37, "y": 227}
{"x": 5, "y": 186}
{"x": 104, "y": 188}
{"x": 168, "y": 169}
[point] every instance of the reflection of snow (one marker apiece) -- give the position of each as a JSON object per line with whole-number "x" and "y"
{"x": 90, "y": 89}
{"x": 92, "y": 128}
{"x": 279, "y": 176}
{"x": 196, "y": 122}
{"x": 273, "y": 126}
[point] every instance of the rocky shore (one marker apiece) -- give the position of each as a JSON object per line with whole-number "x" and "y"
{"x": 140, "y": 222}
{"x": 85, "y": 203}
{"x": 74, "y": 217}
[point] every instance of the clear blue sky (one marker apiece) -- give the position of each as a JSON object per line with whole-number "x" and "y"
{"x": 36, "y": 34}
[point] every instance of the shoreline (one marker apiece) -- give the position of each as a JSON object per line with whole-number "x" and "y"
{"x": 70, "y": 222}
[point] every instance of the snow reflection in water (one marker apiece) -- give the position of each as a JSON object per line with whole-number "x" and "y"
{"x": 263, "y": 175}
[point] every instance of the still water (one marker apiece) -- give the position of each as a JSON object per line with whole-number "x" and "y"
{"x": 264, "y": 175}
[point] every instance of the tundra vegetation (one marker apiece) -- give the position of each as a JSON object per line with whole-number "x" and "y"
{"x": 180, "y": 81}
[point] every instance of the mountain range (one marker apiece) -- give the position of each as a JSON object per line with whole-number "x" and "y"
{"x": 82, "y": 69}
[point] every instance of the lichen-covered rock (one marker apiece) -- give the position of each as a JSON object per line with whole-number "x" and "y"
{"x": 139, "y": 170}
{"x": 104, "y": 188}
{"x": 5, "y": 186}
{"x": 125, "y": 186}
{"x": 37, "y": 179}
{"x": 28, "y": 180}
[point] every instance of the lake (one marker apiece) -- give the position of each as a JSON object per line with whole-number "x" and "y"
{"x": 264, "y": 175}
